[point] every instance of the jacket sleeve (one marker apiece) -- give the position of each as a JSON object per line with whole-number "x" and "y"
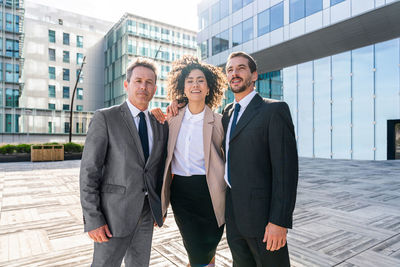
{"x": 91, "y": 172}
{"x": 284, "y": 162}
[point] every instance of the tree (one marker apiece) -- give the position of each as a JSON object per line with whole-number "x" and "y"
{"x": 73, "y": 97}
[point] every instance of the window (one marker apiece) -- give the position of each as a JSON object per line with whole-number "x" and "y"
{"x": 296, "y": 10}
{"x": 224, "y": 8}
{"x": 1, "y": 20}
{"x": 215, "y": 13}
{"x": 79, "y": 93}
{"x": 263, "y": 22}
{"x": 50, "y": 127}
{"x": 237, "y": 34}
{"x": 79, "y": 108}
{"x": 65, "y": 92}
{"x": 9, "y": 22}
{"x": 66, "y": 56}
{"x": 131, "y": 26}
{"x": 12, "y": 97}
{"x": 204, "y": 49}
{"x": 52, "y": 91}
{"x": 52, "y": 73}
{"x": 66, "y": 127}
{"x": 66, "y": 38}
{"x": 52, "y": 54}
{"x": 236, "y": 5}
{"x": 300, "y": 8}
{"x": 79, "y": 58}
{"x": 313, "y": 6}
{"x": 52, "y": 36}
{"x": 203, "y": 19}
{"x": 65, "y": 107}
{"x": 12, "y": 48}
{"x": 79, "y": 41}
{"x": 247, "y": 30}
{"x": 276, "y": 16}
{"x": 80, "y": 77}
{"x": 60, "y": 22}
{"x": 220, "y": 42}
{"x": 52, "y": 106}
{"x": 66, "y": 74}
{"x": 12, "y": 73}
{"x": 334, "y": 2}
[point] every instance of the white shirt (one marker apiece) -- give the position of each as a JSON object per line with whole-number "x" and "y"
{"x": 135, "y": 114}
{"x": 244, "y": 102}
{"x": 188, "y": 156}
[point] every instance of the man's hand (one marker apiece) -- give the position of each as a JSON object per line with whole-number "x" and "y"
{"x": 100, "y": 234}
{"x": 275, "y": 236}
{"x": 173, "y": 109}
{"x": 158, "y": 114}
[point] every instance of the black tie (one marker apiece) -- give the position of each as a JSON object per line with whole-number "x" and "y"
{"x": 233, "y": 126}
{"x": 143, "y": 135}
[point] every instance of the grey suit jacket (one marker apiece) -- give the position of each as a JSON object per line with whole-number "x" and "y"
{"x": 114, "y": 176}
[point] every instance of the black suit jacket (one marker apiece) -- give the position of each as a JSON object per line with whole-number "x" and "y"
{"x": 263, "y": 167}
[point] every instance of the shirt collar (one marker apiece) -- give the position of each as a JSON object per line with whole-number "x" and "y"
{"x": 194, "y": 117}
{"x": 135, "y": 111}
{"x": 245, "y": 101}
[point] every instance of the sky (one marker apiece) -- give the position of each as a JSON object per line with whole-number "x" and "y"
{"x": 181, "y": 13}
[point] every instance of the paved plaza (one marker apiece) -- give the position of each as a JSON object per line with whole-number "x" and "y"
{"x": 347, "y": 214}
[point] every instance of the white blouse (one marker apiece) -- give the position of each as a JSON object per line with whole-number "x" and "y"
{"x": 188, "y": 156}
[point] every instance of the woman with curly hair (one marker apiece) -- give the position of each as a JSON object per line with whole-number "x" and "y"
{"x": 194, "y": 170}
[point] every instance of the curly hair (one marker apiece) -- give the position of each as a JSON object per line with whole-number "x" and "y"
{"x": 181, "y": 68}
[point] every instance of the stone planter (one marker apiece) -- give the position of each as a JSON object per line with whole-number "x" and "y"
{"x": 15, "y": 157}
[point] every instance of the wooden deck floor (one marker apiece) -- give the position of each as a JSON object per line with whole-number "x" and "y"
{"x": 347, "y": 214}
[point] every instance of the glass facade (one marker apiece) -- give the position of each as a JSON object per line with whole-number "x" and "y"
{"x": 52, "y": 91}
{"x": 334, "y": 2}
{"x": 220, "y": 42}
{"x": 340, "y": 104}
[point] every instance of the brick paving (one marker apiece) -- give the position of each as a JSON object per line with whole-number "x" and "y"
{"x": 347, "y": 214}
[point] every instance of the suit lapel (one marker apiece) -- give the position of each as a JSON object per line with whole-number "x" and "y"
{"x": 128, "y": 119}
{"x": 174, "y": 127}
{"x": 248, "y": 115}
{"x": 156, "y": 136}
{"x": 207, "y": 132}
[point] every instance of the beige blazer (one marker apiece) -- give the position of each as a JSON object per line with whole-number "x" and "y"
{"x": 213, "y": 134}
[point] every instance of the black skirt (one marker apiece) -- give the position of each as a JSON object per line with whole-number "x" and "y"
{"x": 195, "y": 217}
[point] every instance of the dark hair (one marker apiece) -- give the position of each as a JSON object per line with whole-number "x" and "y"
{"x": 141, "y": 62}
{"x": 181, "y": 68}
{"x": 252, "y": 62}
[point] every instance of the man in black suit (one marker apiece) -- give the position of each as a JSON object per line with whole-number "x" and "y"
{"x": 261, "y": 170}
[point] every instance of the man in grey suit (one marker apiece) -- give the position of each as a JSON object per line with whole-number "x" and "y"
{"x": 261, "y": 170}
{"x": 121, "y": 174}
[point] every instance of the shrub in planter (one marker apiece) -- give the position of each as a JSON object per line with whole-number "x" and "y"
{"x": 72, "y": 147}
{"x": 23, "y": 148}
{"x": 8, "y": 149}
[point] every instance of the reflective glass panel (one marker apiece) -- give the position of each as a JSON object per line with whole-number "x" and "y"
{"x": 305, "y": 105}
{"x": 290, "y": 91}
{"x": 363, "y": 103}
{"x": 237, "y": 34}
{"x": 334, "y": 2}
{"x": 296, "y": 9}
{"x": 215, "y": 13}
{"x": 236, "y": 5}
{"x": 322, "y": 108}
{"x": 387, "y": 91}
{"x": 247, "y": 30}
{"x": 313, "y": 6}
{"x": 263, "y": 22}
{"x": 224, "y": 8}
{"x": 277, "y": 16}
{"x": 341, "y": 106}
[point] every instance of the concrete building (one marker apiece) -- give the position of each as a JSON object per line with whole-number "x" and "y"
{"x": 335, "y": 62}
{"x": 11, "y": 39}
{"x": 134, "y": 36}
{"x": 55, "y": 43}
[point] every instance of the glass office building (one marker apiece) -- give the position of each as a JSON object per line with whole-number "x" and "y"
{"x": 11, "y": 38}
{"x": 134, "y": 36}
{"x": 335, "y": 62}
